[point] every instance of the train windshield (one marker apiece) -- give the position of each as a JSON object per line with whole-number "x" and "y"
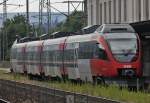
{"x": 124, "y": 50}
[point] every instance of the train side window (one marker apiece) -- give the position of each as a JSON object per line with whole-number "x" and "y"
{"x": 86, "y": 50}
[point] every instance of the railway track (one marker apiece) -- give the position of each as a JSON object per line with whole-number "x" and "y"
{"x": 3, "y": 101}
{"x": 17, "y": 92}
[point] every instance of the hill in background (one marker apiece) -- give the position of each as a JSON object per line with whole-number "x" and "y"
{"x": 34, "y": 18}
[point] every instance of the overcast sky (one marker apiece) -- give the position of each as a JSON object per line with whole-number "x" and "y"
{"x": 34, "y": 5}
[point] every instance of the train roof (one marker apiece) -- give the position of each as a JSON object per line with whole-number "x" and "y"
{"x": 114, "y": 28}
{"x": 55, "y": 41}
{"x": 19, "y": 45}
{"x": 72, "y": 39}
{"x": 120, "y": 36}
{"x": 28, "y": 39}
{"x": 60, "y": 34}
{"x": 34, "y": 43}
{"x": 82, "y": 38}
{"x": 89, "y": 29}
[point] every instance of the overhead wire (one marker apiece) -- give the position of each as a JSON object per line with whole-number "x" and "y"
{"x": 11, "y": 4}
{"x": 3, "y": 2}
{"x": 22, "y": 6}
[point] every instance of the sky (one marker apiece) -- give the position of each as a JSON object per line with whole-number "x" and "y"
{"x": 34, "y": 6}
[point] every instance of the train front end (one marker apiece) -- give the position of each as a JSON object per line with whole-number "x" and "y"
{"x": 124, "y": 54}
{"x": 123, "y": 51}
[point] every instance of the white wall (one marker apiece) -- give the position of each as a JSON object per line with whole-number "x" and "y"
{"x": 134, "y": 11}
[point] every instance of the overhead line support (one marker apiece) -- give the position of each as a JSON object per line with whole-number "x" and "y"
{"x": 27, "y": 15}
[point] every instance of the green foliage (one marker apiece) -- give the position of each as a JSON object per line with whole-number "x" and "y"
{"x": 74, "y": 23}
{"x": 110, "y": 92}
{"x": 18, "y": 26}
{"x": 13, "y": 27}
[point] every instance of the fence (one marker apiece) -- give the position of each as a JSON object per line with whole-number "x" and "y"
{"x": 16, "y": 92}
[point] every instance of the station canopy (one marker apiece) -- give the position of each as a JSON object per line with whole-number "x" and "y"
{"x": 141, "y": 27}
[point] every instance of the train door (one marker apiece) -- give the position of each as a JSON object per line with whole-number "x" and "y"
{"x": 30, "y": 68}
{"x": 28, "y": 60}
{"x": 70, "y": 60}
{"x": 76, "y": 60}
{"x": 85, "y": 54}
{"x": 57, "y": 61}
{"x": 19, "y": 66}
{"x": 13, "y": 58}
{"x": 32, "y": 60}
{"x": 47, "y": 60}
{"x": 24, "y": 60}
{"x": 99, "y": 63}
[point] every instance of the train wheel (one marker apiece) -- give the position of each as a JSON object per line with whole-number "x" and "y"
{"x": 99, "y": 81}
{"x": 30, "y": 76}
{"x": 11, "y": 70}
{"x": 25, "y": 73}
{"x": 145, "y": 87}
{"x": 65, "y": 78}
{"x": 42, "y": 75}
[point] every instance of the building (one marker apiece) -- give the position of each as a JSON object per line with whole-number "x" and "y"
{"x": 118, "y": 11}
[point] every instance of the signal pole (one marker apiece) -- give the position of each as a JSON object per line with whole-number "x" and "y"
{"x": 41, "y": 4}
{"x": 27, "y": 14}
{"x": 4, "y": 35}
{"x": 49, "y": 16}
{"x": 68, "y": 7}
{"x": 85, "y": 11}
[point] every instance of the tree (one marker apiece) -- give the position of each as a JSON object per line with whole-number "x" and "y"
{"x": 13, "y": 27}
{"x": 75, "y": 22}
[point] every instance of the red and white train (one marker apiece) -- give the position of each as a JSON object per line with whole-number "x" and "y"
{"x": 110, "y": 53}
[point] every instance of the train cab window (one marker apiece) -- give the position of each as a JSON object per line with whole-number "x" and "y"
{"x": 99, "y": 29}
{"x": 100, "y": 52}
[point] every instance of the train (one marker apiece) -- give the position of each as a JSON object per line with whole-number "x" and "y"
{"x": 111, "y": 54}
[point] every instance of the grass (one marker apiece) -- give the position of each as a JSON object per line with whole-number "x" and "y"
{"x": 111, "y": 92}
